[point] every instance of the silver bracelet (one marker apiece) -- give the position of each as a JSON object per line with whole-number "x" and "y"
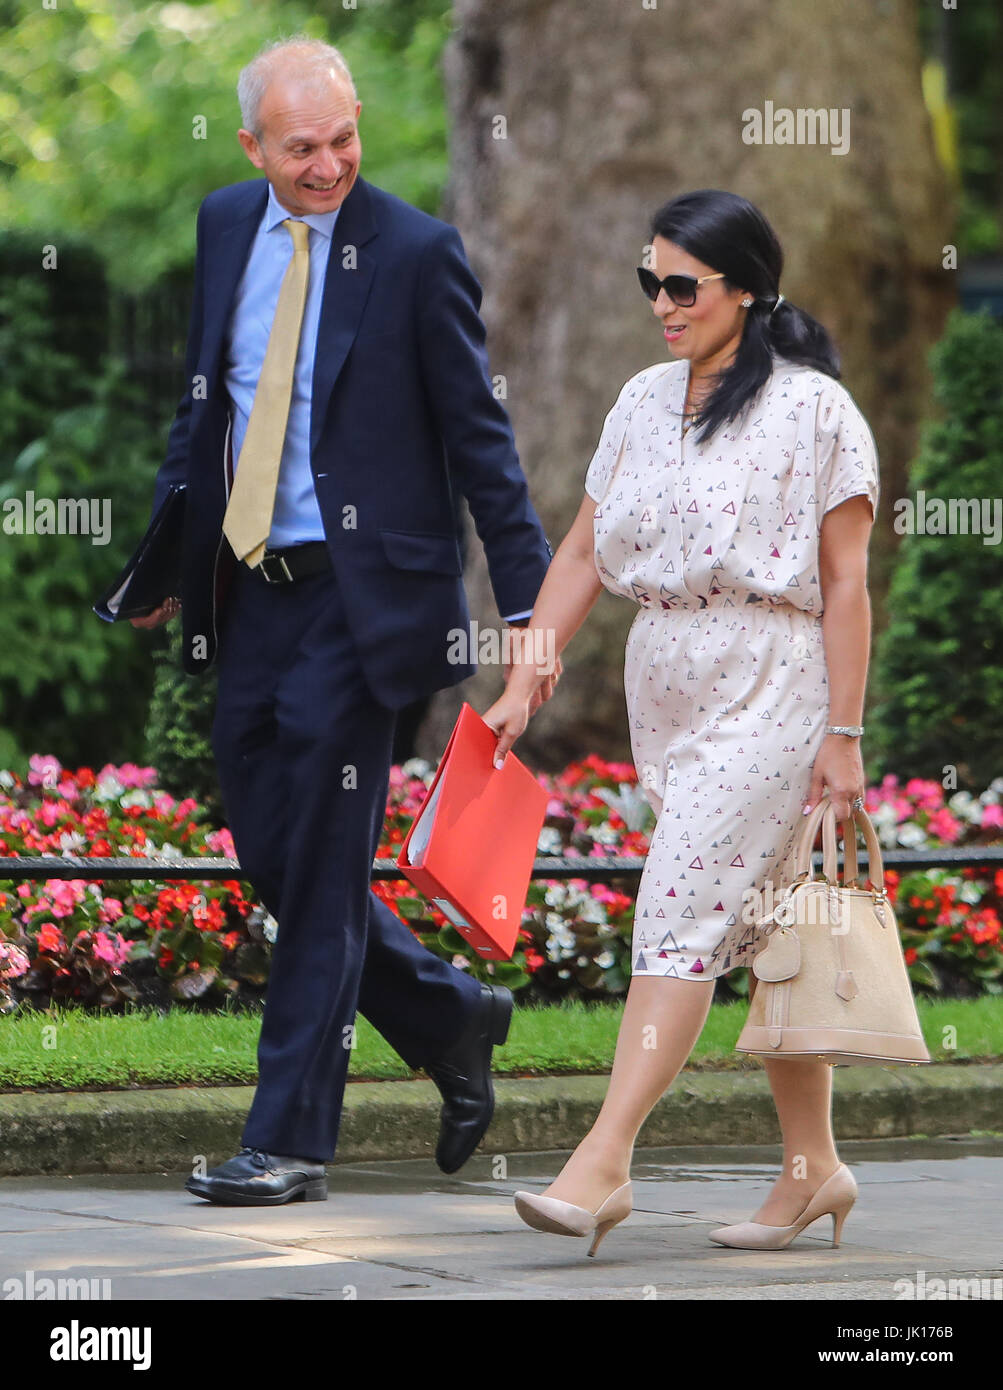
{"x": 852, "y": 730}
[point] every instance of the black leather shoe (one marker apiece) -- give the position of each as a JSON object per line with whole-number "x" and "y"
{"x": 463, "y": 1076}
{"x": 258, "y": 1179}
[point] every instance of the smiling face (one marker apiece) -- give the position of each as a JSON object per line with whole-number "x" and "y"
{"x": 309, "y": 145}
{"x": 710, "y": 330}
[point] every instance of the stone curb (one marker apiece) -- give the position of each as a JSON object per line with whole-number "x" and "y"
{"x": 146, "y": 1131}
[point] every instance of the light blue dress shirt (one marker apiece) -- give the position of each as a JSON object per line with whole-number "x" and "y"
{"x": 296, "y": 517}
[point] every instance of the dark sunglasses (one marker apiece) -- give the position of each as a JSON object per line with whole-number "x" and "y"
{"x": 681, "y": 289}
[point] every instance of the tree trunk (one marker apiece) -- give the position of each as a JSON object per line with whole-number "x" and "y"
{"x": 572, "y": 121}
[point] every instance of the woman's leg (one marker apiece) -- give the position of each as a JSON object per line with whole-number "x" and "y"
{"x": 802, "y": 1093}
{"x": 662, "y": 1020}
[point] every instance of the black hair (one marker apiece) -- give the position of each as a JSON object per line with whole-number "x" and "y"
{"x": 730, "y": 235}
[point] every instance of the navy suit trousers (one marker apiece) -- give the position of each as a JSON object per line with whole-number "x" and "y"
{"x": 303, "y": 752}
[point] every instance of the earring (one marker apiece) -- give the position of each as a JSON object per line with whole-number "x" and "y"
{"x": 746, "y": 303}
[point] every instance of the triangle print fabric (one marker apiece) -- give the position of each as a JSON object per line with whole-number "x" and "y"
{"x": 724, "y": 672}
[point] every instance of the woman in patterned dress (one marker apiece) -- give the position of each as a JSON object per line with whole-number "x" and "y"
{"x": 731, "y": 497}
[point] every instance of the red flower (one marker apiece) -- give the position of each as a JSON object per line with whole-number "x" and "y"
{"x": 51, "y": 940}
{"x": 911, "y": 955}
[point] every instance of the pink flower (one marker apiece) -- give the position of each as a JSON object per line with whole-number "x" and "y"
{"x": 221, "y": 842}
{"x": 110, "y": 910}
{"x": 944, "y": 826}
{"x": 13, "y": 961}
{"x": 45, "y": 770}
{"x": 992, "y": 817}
{"x": 113, "y": 953}
{"x": 129, "y": 775}
{"x": 64, "y": 894}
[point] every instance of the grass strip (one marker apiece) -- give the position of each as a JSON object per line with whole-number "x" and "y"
{"x": 67, "y": 1049}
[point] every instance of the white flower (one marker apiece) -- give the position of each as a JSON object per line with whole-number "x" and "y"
{"x": 135, "y": 797}
{"x": 167, "y": 851}
{"x": 582, "y": 961}
{"x": 969, "y": 892}
{"x": 911, "y": 836}
{"x": 605, "y": 959}
{"x": 592, "y": 910}
{"x": 270, "y": 928}
{"x": 605, "y": 929}
{"x": 549, "y": 841}
{"x": 6, "y": 780}
{"x": 70, "y": 841}
{"x": 885, "y": 824}
{"x": 461, "y": 962}
{"x": 604, "y": 834}
{"x": 562, "y": 942}
{"x": 965, "y": 807}
{"x": 564, "y": 974}
{"x": 416, "y": 767}
{"x": 555, "y": 895}
{"x": 109, "y": 788}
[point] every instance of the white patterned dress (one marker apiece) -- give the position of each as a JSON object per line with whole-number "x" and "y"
{"x": 724, "y": 673}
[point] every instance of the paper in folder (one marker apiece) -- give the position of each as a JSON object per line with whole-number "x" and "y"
{"x": 470, "y": 848}
{"x": 154, "y": 572}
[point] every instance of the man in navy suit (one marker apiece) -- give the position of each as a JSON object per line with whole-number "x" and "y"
{"x": 345, "y": 619}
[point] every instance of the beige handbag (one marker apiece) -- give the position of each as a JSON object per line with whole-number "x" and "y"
{"x": 832, "y": 980}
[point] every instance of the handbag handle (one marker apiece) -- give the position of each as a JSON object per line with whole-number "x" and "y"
{"x": 858, "y": 818}
{"x": 806, "y": 840}
{"x": 876, "y": 864}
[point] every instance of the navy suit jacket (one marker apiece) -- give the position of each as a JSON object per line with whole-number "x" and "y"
{"x": 403, "y": 416}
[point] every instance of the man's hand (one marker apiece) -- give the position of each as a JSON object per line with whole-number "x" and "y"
{"x": 163, "y": 614}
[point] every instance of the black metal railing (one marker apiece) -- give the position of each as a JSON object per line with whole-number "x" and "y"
{"x": 26, "y": 868}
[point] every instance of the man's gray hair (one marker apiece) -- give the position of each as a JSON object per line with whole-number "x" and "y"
{"x": 301, "y": 57}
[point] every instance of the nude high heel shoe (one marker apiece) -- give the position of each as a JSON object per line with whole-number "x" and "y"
{"x": 834, "y": 1198}
{"x": 565, "y": 1219}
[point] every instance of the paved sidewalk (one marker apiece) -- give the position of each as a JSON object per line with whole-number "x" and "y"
{"x": 401, "y": 1230}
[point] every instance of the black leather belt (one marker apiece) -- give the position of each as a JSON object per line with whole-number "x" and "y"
{"x": 294, "y": 562}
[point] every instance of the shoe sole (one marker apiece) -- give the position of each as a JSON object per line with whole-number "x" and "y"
{"x": 315, "y": 1191}
{"x": 539, "y": 1222}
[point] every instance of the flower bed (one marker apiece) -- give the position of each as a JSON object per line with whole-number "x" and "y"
{"x": 102, "y": 945}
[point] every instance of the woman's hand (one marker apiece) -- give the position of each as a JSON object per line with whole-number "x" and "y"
{"x": 508, "y": 716}
{"x": 839, "y": 769}
{"x": 548, "y": 685}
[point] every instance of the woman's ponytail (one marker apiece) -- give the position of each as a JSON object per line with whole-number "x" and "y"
{"x": 797, "y": 336}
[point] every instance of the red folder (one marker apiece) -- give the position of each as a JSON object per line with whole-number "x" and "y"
{"x": 470, "y": 848}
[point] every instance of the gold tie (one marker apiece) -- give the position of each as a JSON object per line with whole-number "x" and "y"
{"x": 248, "y": 518}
